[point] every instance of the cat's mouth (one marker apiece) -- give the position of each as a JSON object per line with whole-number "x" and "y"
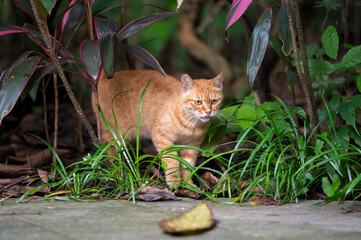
{"x": 205, "y": 118}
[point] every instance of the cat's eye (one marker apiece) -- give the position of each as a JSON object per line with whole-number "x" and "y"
{"x": 214, "y": 101}
{"x": 197, "y": 102}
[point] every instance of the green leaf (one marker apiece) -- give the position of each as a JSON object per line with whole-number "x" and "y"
{"x": 356, "y": 100}
{"x": 330, "y": 42}
{"x": 14, "y": 80}
{"x": 351, "y": 58}
{"x": 49, "y": 4}
{"x": 343, "y": 136}
{"x": 348, "y": 112}
{"x": 283, "y": 27}
{"x": 215, "y": 133}
{"x": 328, "y": 188}
{"x": 259, "y": 41}
{"x": 355, "y": 135}
{"x": 358, "y": 82}
{"x": 320, "y": 67}
{"x": 246, "y": 115}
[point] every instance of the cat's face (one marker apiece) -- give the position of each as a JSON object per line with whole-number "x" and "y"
{"x": 202, "y": 98}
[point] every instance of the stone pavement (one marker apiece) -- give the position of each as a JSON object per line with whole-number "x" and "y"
{"x": 119, "y": 219}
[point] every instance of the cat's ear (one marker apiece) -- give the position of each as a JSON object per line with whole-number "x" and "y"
{"x": 187, "y": 83}
{"x": 217, "y": 82}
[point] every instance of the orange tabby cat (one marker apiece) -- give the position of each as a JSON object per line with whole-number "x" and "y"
{"x": 172, "y": 111}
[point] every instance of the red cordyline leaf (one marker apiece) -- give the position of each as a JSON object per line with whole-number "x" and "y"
{"x": 238, "y": 7}
{"x": 10, "y": 29}
{"x": 140, "y": 23}
{"x": 66, "y": 15}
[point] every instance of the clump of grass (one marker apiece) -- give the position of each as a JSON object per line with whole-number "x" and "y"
{"x": 276, "y": 154}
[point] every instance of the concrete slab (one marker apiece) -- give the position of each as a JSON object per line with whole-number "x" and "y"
{"x": 116, "y": 219}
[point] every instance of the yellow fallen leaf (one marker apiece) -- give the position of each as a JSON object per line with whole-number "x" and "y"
{"x": 195, "y": 220}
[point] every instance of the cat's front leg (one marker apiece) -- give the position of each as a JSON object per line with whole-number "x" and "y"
{"x": 172, "y": 173}
{"x": 189, "y": 155}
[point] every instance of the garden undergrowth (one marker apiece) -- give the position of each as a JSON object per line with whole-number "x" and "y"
{"x": 275, "y": 155}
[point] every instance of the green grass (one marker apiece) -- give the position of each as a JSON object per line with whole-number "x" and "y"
{"x": 276, "y": 154}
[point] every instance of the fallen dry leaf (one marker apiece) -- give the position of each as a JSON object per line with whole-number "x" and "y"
{"x": 196, "y": 220}
{"x": 188, "y": 193}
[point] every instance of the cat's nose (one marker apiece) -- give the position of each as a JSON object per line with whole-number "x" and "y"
{"x": 208, "y": 111}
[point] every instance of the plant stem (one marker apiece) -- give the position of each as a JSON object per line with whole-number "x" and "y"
{"x": 305, "y": 78}
{"x": 45, "y": 111}
{"x": 56, "y": 120}
{"x": 68, "y": 89}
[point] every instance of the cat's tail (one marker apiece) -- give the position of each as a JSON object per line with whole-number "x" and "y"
{"x": 95, "y": 105}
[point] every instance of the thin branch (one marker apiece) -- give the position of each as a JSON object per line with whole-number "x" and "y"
{"x": 305, "y": 78}
{"x": 65, "y": 81}
{"x": 56, "y": 119}
{"x": 310, "y": 97}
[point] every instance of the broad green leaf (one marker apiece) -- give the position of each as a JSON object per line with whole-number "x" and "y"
{"x": 330, "y": 42}
{"x": 106, "y": 29}
{"x": 140, "y": 23}
{"x": 215, "y": 133}
{"x": 348, "y": 112}
{"x": 229, "y": 111}
{"x": 49, "y": 5}
{"x": 356, "y": 100}
{"x": 319, "y": 67}
{"x": 343, "y": 136}
{"x": 238, "y": 7}
{"x": 246, "y": 115}
{"x": 90, "y": 56}
{"x": 351, "y": 58}
{"x": 283, "y": 27}
{"x": 211, "y": 143}
{"x": 330, "y": 188}
{"x": 144, "y": 56}
{"x": 14, "y": 80}
{"x": 259, "y": 41}
{"x": 358, "y": 82}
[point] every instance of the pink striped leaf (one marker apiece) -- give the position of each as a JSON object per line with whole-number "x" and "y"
{"x": 13, "y": 80}
{"x": 140, "y": 23}
{"x": 106, "y": 32}
{"x": 25, "y": 6}
{"x": 40, "y": 72}
{"x": 144, "y": 56}
{"x": 66, "y": 15}
{"x": 238, "y": 7}
{"x": 4, "y": 30}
